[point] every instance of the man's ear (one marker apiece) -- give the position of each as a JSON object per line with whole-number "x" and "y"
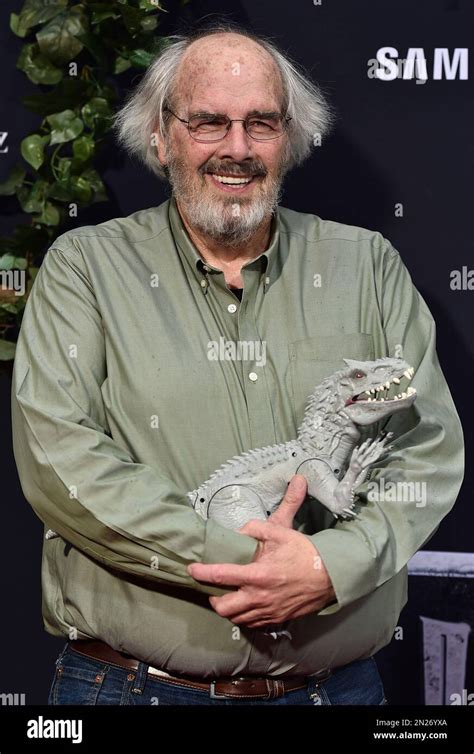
{"x": 160, "y": 148}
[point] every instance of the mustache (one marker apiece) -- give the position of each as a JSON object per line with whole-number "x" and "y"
{"x": 239, "y": 170}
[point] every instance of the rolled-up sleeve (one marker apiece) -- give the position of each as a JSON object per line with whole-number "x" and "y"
{"x": 409, "y": 491}
{"x": 79, "y": 481}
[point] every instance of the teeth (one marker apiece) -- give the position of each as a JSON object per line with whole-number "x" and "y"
{"x": 409, "y": 391}
{"x": 231, "y": 180}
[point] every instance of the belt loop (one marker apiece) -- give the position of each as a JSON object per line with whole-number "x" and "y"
{"x": 140, "y": 678}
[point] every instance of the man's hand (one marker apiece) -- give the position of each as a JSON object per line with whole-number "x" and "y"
{"x": 286, "y": 579}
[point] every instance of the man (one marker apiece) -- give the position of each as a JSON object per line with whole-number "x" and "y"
{"x": 119, "y": 410}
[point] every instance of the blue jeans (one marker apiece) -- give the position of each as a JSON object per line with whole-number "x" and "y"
{"x": 80, "y": 680}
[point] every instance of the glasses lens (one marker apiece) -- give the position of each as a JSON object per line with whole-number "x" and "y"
{"x": 264, "y": 128}
{"x": 214, "y": 127}
{"x": 207, "y": 128}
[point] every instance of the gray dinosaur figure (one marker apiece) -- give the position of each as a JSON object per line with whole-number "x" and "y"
{"x": 253, "y": 484}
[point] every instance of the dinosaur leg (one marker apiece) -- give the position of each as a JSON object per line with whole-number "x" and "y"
{"x": 323, "y": 484}
{"x": 361, "y": 459}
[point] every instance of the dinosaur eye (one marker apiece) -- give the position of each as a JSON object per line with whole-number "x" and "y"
{"x": 357, "y": 373}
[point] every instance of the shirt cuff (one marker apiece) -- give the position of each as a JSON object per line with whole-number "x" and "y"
{"x": 227, "y": 546}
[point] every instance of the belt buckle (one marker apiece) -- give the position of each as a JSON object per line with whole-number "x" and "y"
{"x": 275, "y": 690}
{"x": 214, "y": 695}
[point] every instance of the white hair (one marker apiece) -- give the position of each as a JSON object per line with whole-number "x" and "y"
{"x": 143, "y": 112}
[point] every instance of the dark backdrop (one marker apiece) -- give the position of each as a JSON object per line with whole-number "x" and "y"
{"x": 396, "y": 142}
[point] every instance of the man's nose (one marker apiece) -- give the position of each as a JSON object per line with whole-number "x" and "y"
{"x": 237, "y": 144}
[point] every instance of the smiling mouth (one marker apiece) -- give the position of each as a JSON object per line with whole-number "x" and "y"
{"x": 233, "y": 182}
{"x": 381, "y": 394}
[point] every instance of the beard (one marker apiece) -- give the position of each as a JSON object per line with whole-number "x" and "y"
{"x": 229, "y": 220}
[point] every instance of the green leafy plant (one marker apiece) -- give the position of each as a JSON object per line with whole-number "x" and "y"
{"x": 75, "y": 51}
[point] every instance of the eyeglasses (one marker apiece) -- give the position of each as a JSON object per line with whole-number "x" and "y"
{"x": 208, "y": 127}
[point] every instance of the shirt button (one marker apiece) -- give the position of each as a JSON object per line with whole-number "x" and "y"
{"x": 203, "y": 283}
{"x": 267, "y": 281}
{"x": 232, "y": 308}
{"x": 253, "y": 376}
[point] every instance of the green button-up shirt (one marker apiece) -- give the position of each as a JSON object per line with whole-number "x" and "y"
{"x": 120, "y": 408}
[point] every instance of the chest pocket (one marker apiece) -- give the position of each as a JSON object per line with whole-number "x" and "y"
{"x": 314, "y": 359}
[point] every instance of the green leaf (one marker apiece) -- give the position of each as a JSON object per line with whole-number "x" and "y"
{"x": 32, "y": 149}
{"x": 63, "y": 169}
{"x": 141, "y": 58}
{"x": 13, "y": 308}
{"x": 7, "y": 350}
{"x": 82, "y": 188}
{"x": 49, "y": 216}
{"x": 97, "y": 110}
{"x": 6, "y": 261}
{"x": 10, "y": 262}
{"x": 93, "y": 177}
{"x": 58, "y": 39}
{"x": 83, "y": 148}
{"x": 94, "y": 43}
{"x": 149, "y": 24}
{"x": 121, "y": 65}
{"x": 37, "y": 67}
{"x": 35, "y": 12}
{"x": 61, "y": 192}
{"x": 69, "y": 93}
{"x": 18, "y": 26}
{"x": 150, "y": 5}
{"x": 132, "y": 18}
{"x": 15, "y": 179}
{"x": 102, "y": 11}
{"x": 34, "y": 200}
{"x": 65, "y": 126}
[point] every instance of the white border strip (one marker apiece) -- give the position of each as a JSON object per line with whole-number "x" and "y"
{"x": 450, "y": 564}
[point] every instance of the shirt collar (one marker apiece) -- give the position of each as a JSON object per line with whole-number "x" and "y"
{"x": 268, "y": 258}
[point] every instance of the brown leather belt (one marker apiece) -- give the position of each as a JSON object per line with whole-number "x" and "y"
{"x": 241, "y": 687}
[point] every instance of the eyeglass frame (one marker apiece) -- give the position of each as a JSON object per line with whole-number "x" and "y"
{"x": 285, "y": 119}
